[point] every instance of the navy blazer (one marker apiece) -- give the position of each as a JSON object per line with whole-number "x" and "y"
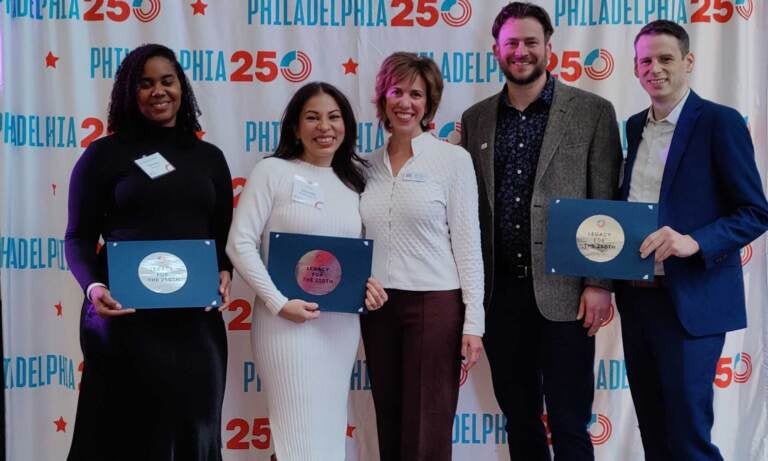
{"x": 712, "y": 191}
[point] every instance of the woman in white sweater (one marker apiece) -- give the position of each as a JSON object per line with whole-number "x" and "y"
{"x": 420, "y": 207}
{"x": 304, "y": 357}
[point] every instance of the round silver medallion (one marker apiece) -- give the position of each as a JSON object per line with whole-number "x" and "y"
{"x": 600, "y": 238}
{"x": 162, "y": 272}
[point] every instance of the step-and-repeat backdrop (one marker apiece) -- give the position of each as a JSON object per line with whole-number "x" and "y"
{"x": 245, "y": 58}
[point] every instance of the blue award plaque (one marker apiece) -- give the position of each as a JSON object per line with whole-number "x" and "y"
{"x": 329, "y": 271}
{"x": 148, "y": 274}
{"x": 599, "y": 238}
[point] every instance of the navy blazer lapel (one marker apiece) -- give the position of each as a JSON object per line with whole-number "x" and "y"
{"x": 635, "y": 127}
{"x": 680, "y": 139}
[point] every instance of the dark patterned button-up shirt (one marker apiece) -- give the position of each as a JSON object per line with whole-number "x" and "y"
{"x": 518, "y": 140}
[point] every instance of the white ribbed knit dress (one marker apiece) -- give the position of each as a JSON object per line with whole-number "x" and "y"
{"x": 305, "y": 367}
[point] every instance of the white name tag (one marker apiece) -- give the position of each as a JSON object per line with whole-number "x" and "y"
{"x": 414, "y": 176}
{"x": 154, "y": 165}
{"x": 307, "y": 192}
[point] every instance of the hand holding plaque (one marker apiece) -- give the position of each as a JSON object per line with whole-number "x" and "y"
{"x": 299, "y": 311}
{"x": 105, "y": 304}
{"x": 146, "y": 274}
{"x": 329, "y": 271}
{"x": 599, "y": 238}
{"x": 667, "y": 242}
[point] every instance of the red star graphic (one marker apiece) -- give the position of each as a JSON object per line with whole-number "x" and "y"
{"x": 198, "y": 7}
{"x": 58, "y": 307}
{"x": 61, "y": 425}
{"x": 350, "y": 430}
{"x": 200, "y": 134}
{"x": 350, "y": 67}
{"x": 50, "y": 60}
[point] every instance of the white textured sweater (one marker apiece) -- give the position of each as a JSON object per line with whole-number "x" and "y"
{"x": 424, "y": 224}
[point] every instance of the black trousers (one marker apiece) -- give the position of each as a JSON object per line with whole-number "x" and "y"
{"x": 533, "y": 361}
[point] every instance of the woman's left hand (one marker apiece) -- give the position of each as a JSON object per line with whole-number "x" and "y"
{"x": 225, "y": 282}
{"x": 471, "y": 348}
{"x": 375, "y": 295}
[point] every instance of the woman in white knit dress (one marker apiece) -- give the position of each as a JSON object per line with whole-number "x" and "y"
{"x": 304, "y": 356}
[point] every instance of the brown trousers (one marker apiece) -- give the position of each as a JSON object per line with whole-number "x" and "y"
{"x": 413, "y": 350}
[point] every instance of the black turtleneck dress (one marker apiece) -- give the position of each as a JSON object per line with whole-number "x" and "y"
{"x": 153, "y": 381}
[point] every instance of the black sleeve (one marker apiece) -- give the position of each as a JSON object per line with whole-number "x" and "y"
{"x": 88, "y": 195}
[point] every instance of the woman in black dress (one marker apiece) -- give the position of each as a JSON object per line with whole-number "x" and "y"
{"x": 153, "y": 380}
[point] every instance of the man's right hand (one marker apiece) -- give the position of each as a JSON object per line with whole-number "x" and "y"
{"x": 668, "y": 242}
{"x": 299, "y": 311}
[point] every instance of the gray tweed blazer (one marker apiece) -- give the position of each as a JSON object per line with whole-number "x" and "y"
{"x": 580, "y": 158}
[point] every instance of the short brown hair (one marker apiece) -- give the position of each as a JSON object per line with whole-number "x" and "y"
{"x": 520, "y": 10}
{"x": 664, "y": 27}
{"x": 401, "y": 66}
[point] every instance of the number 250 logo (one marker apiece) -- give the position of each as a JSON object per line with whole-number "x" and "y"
{"x": 262, "y": 66}
{"x": 721, "y": 10}
{"x": 455, "y": 13}
{"x": 120, "y": 10}
{"x": 598, "y": 64}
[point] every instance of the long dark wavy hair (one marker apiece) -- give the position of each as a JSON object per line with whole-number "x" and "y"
{"x": 346, "y": 163}
{"x": 125, "y": 119}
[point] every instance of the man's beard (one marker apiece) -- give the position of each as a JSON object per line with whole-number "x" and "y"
{"x": 538, "y": 70}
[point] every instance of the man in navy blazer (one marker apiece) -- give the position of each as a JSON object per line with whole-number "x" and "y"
{"x": 696, "y": 159}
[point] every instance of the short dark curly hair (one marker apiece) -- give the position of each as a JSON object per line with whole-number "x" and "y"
{"x": 519, "y": 10}
{"x": 124, "y": 115}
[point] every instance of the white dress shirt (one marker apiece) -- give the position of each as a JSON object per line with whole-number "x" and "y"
{"x": 648, "y": 170}
{"x": 425, "y": 225}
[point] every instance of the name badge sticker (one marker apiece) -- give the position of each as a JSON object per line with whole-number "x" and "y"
{"x": 414, "y": 176}
{"x": 307, "y": 192}
{"x": 154, "y": 165}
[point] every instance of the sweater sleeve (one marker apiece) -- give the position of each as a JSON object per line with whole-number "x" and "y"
{"x": 222, "y": 214}
{"x": 244, "y": 243}
{"x": 464, "y": 226}
{"x": 88, "y": 192}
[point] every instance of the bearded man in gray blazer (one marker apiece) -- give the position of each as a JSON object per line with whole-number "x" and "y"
{"x": 536, "y": 140}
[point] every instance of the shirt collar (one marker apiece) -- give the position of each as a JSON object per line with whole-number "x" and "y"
{"x": 673, "y": 116}
{"x": 544, "y": 100}
{"x": 420, "y": 142}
